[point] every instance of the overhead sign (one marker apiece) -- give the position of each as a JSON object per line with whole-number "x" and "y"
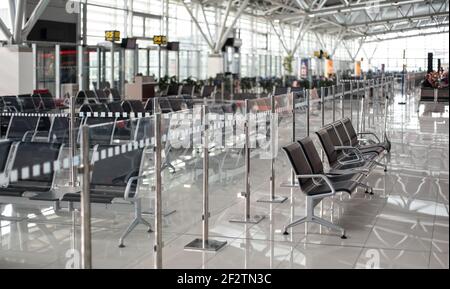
{"x": 112, "y": 36}
{"x": 160, "y": 40}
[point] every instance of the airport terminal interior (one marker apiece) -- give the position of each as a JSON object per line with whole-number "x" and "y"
{"x": 224, "y": 134}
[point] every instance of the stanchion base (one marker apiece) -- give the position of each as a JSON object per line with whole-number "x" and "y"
{"x": 274, "y": 200}
{"x": 402, "y": 103}
{"x": 164, "y": 213}
{"x": 252, "y": 220}
{"x": 211, "y": 246}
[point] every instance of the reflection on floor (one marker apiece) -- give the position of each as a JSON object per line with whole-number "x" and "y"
{"x": 404, "y": 225}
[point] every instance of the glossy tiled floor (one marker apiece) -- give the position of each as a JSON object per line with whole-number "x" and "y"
{"x": 404, "y": 225}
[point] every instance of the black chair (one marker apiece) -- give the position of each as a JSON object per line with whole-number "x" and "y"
{"x": 32, "y": 169}
{"x": 12, "y": 103}
{"x": 354, "y": 136}
{"x": 208, "y": 91}
{"x": 187, "y": 90}
{"x": 177, "y": 104}
{"x": 101, "y": 130}
{"x": 27, "y": 103}
{"x": 48, "y": 101}
{"x": 173, "y": 90}
{"x": 316, "y": 187}
{"x": 5, "y": 148}
{"x": 149, "y": 105}
{"x": 22, "y": 127}
{"x": 115, "y": 107}
{"x": 189, "y": 101}
{"x": 91, "y": 97}
{"x": 115, "y": 94}
{"x": 59, "y": 131}
{"x": 164, "y": 104}
{"x": 346, "y": 141}
{"x": 101, "y": 96}
{"x": 119, "y": 183}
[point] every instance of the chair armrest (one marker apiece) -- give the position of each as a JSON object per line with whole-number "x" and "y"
{"x": 323, "y": 177}
{"x": 372, "y": 134}
{"x": 356, "y": 151}
{"x": 348, "y": 172}
{"x": 130, "y": 182}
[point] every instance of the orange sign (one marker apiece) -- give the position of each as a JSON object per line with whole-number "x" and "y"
{"x": 329, "y": 68}
{"x": 358, "y": 68}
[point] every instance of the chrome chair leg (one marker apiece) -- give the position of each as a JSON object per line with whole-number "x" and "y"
{"x": 136, "y": 221}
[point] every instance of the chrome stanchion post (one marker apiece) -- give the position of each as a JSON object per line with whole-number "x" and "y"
{"x": 358, "y": 101}
{"x": 85, "y": 169}
{"x": 322, "y": 104}
{"x": 248, "y": 218}
{"x": 205, "y": 244}
{"x": 158, "y": 193}
{"x": 308, "y": 112}
{"x": 274, "y": 199}
{"x": 343, "y": 101}
{"x": 72, "y": 143}
{"x": 351, "y": 100}
{"x": 333, "y": 89}
{"x": 363, "y": 109}
{"x": 294, "y": 128}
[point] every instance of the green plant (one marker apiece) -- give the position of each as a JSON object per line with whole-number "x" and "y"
{"x": 287, "y": 64}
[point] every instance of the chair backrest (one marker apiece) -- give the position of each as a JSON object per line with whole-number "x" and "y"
{"x": 34, "y": 157}
{"x": 328, "y": 146}
{"x": 189, "y": 101}
{"x": 149, "y": 105}
{"x": 59, "y": 131}
{"x": 187, "y": 89}
{"x": 176, "y": 103}
{"x": 279, "y": 90}
{"x": 173, "y": 90}
{"x": 342, "y": 133}
{"x": 145, "y": 129}
{"x": 334, "y": 139}
{"x": 312, "y": 155}
{"x": 137, "y": 106}
{"x": 91, "y": 96}
{"x": 299, "y": 163}
{"x": 101, "y": 130}
{"x": 126, "y": 164}
{"x": 80, "y": 98}
{"x": 5, "y": 148}
{"x": 27, "y": 103}
{"x": 115, "y": 106}
{"x": 20, "y": 125}
{"x": 350, "y": 131}
{"x": 164, "y": 105}
{"x": 38, "y": 103}
{"x": 48, "y": 101}
{"x": 12, "y": 101}
{"x": 208, "y": 91}
{"x": 101, "y": 96}
{"x": 115, "y": 94}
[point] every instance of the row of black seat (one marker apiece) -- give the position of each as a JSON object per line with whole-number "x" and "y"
{"x": 38, "y": 185}
{"x": 350, "y": 160}
{"x": 28, "y": 103}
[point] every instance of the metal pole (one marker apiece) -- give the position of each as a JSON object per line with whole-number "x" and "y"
{"x": 158, "y": 197}
{"x": 358, "y": 94}
{"x": 72, "y": 142}
{"x": 99, "y": 68}
{"x": 363, "y": 110}
{"x": 273, "y": 198}
{"x": 308, "y": 106}
{"x": 112, "y": 64}
{"x": 343, "y": 101}
{"x": 333, "y": 89}
{"x": 86, "y": 248}
{"x": 248, "y": 219}
{"x": 294, "y": 128}
{"x": 58, "y": 71}
{"x": 205, "y": 244}
{"x": 322, "y": 104}
{"x": 351, "y": 100}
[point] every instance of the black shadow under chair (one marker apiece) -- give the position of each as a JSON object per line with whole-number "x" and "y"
{"x": 22, "y": 127}
{"x": 32, "y": 170}
{"x": 316, "y": 187}
{"x": 360, "y": 143}
{"x": 122, "y": 182}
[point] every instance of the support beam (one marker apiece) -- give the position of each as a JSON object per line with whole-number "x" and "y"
{"x": 301, "y": 34}
{"x": 37, "y": 13}
{"x": 279, "y": 36}
{"x": 206, "y": 22}
{"x": 222, "y": 27}
{"x": 407, "y": 36}
{"x": 402, "y": 30}
{"x": 19, "y": 21}
{"x": 12, "y": 13}
{"x": 338, "y": 41}
{"x": 211, "y": 46}
{"x": 237, "y": 16}
{"x": 5, "y": 30}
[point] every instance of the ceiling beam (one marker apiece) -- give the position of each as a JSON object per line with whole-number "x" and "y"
{"x": 407, "y": 36}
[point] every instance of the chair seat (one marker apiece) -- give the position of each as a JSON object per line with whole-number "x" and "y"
{"x": 344, "y": 186}
{"x": 12, "y": 192}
